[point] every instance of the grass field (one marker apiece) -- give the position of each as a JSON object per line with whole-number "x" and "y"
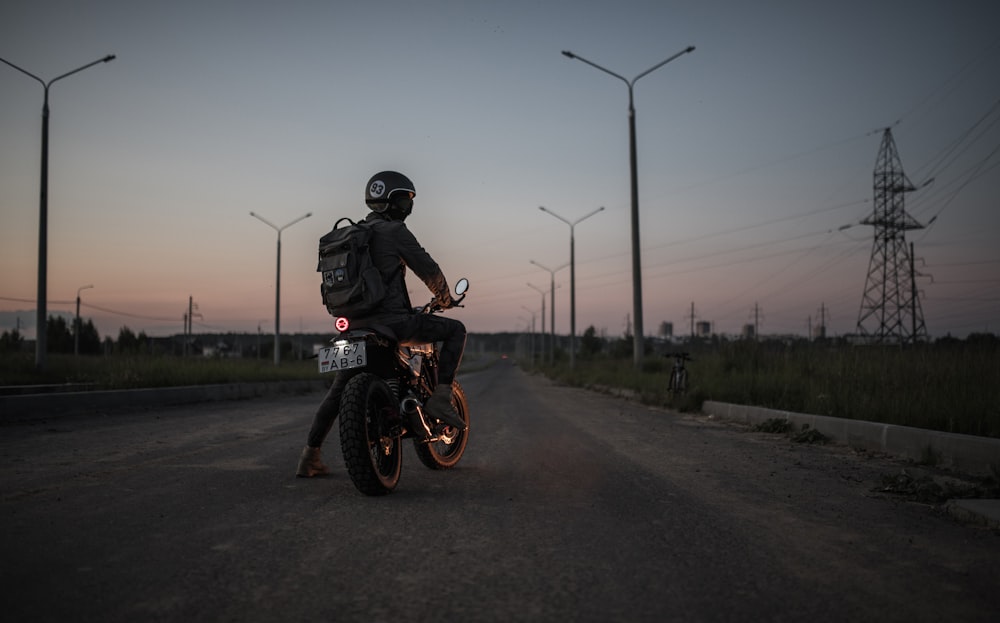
{"x": 139, "y": 371}
{"x": 952, "y": 388}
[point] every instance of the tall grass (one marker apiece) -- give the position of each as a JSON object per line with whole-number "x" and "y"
{"x": 140, "y": 371}
{"x": 954, "y": 388}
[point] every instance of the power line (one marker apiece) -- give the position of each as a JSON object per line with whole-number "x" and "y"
{"x": 960, "y": 264}
{"x": 92, "y": 306}
{"x": 954, "y": 78}
{"x": 127, "y": 314}
{"x": 32, "y": 301}
{"x": 772, "y": 163}
{"x": 948, "y": 155}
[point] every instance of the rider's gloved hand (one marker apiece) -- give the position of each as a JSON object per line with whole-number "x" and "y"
{"x": 446, "y": 302}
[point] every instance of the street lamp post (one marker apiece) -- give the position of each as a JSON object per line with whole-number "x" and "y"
{"x": 76, "y": 329}
{"x": 552, "y": 307}
{"x": 542, "y": 292}
{"x": 572, "y": 279}
{"x": 532, "y": 343}
{"x": 277, "y": 282}
{"x": 638, "y": 345}
{"x": 41, "y": 331}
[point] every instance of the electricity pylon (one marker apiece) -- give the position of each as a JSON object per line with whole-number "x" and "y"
{"x": 890, "y": 309}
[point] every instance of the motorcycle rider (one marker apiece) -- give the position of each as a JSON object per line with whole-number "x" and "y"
{"x": 394, "y": 248}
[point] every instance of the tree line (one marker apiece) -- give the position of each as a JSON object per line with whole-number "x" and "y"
{"x": 59, "y": 334}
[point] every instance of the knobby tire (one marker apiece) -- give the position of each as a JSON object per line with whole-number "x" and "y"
{"x": 372, "y": 455}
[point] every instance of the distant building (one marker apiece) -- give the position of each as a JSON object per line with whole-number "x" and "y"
{"x": 749, "y": 332}
{"x": 666, "y": 330}
{"x": 703, "y": 328}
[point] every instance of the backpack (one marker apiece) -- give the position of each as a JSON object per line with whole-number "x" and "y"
{"x": 352, "y": 286}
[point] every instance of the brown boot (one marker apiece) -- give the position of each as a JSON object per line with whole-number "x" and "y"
{"x": 310, "y": 464}
{"x": 439, "y": 406}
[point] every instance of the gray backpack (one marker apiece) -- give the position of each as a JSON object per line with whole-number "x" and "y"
{"x": 352, "y": 286}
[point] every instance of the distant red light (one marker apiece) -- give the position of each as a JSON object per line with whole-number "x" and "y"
{"x": 342, "y": 324}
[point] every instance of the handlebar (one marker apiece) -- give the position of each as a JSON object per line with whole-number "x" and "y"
{"x": 434, "y": 307}
{"x": 456, "y": 301}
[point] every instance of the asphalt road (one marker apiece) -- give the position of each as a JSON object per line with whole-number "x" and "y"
{"x": 568, "y": 506}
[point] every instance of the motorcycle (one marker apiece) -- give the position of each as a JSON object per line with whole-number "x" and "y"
{"x": 383, "y": 402}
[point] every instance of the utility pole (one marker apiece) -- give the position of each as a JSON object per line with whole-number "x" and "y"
{"x": 76, "y": 324}
{"x": 190, "y": 327}
{"x": 756, "y": 322}
{"x": 542, "y": 339}
{"x": 188, "y": 324}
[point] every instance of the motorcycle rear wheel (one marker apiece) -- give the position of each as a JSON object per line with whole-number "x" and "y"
{"x": 449, "y": 448}
{"x": 370, "y": 443}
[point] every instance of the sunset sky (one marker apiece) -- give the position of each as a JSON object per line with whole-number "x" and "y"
{"x": 755, "y": 155}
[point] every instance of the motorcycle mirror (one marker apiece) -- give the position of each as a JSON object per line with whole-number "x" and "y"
{"x": 462, "y": 286}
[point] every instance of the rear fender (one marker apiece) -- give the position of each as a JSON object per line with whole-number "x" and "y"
{"x": 381, "y": 350}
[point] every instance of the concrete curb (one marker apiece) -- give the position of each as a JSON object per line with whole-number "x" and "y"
{"x": 20, "y": 408}
{"x": 966, "y": 453}
{"x": 982, "y": 512}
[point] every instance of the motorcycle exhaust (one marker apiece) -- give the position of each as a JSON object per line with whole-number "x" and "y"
{"x": 410, "y": 405}
{"x": 411, "y": 408}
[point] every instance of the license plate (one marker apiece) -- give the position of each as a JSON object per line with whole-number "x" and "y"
{"x": 342, "y": 356}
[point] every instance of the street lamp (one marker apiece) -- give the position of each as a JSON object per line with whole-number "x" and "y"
{"x": 572, "y": 279}
{"x": 532, "y": 343}
{"x": 637, "y": 346}
{"x": 552, "y": 307}
{"x": 277, "y": 282}
{"x": 542, "y": 292}
{"x": 76, "y": 330}
{"x": 41, "y": 332}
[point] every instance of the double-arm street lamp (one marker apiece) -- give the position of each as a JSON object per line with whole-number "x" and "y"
{"x": 552, "y": 307}
{"x": 41, "y": 331}
{"x": 572, "y": 278}
{"x": 277, "y": 282}
{"x": 638, "y": 343}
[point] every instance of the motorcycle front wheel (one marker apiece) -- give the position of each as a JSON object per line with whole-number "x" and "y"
{"x": 450, "y": 446}
{"x": 369, "y": 441}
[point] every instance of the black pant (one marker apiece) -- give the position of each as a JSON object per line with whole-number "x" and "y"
{"x": 415, "y": 329}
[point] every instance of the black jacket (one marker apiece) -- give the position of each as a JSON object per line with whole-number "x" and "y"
{"x": 394, "y": 249}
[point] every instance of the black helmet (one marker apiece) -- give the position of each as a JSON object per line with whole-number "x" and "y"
{"x": 383, "y": 185}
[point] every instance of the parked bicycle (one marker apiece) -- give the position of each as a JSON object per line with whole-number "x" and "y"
{"x": 678, "y": 383}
